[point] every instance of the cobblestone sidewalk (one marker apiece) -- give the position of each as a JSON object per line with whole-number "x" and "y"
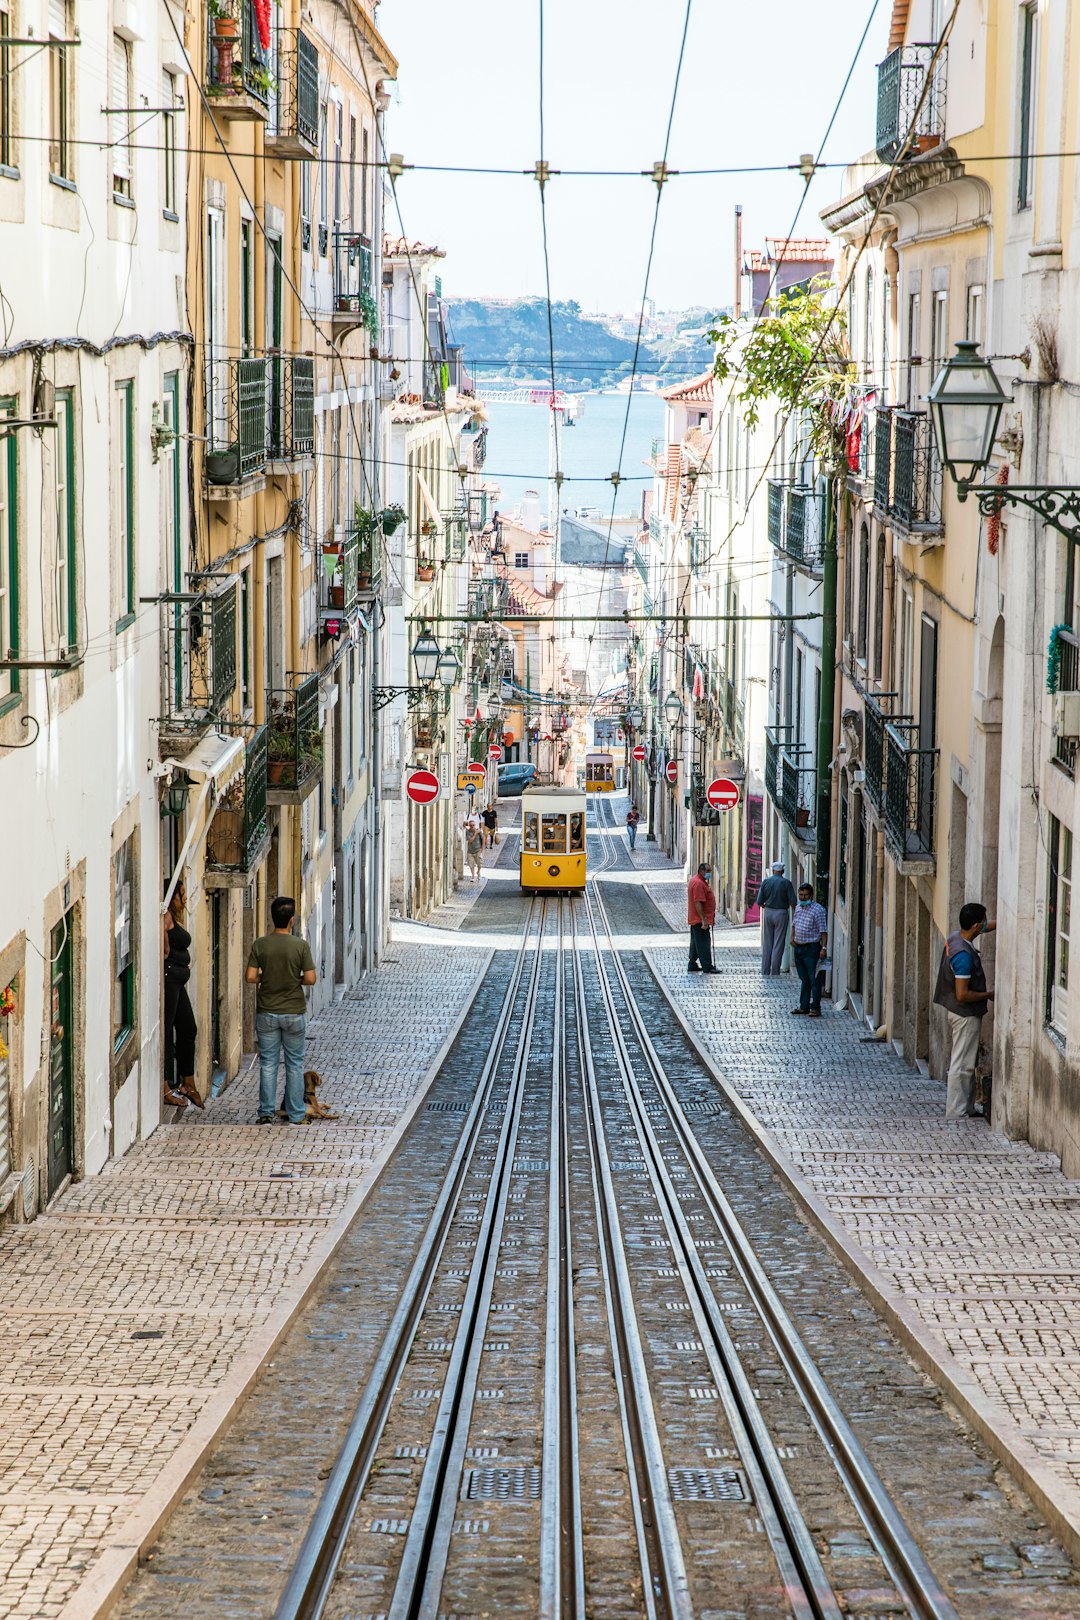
{"x": 134, "y": 1317}
{"x": 969, "y": 1241}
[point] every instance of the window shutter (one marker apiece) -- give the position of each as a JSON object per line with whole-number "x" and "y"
{"x": 58, "y": 23}
{"x": 119, "y": 94}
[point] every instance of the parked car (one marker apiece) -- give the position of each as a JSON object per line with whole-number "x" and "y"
{"x": 514, "y": 779}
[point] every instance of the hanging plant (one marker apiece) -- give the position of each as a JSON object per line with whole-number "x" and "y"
{"x": 262, "y": 20}
{"x": 1053, "y": 657}
{"x": 369, "y": 313}
{"x": 7, "y": 1000}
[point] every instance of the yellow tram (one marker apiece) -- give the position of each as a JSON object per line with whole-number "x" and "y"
{"x": 599, "y": 773}
{"x": 553, "y": 839}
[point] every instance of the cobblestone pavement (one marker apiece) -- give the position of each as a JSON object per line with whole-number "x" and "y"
{"x": 134, "y": 1316}
{"x": 974, "y": 1237}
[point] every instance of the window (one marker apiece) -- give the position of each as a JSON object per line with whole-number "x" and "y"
{"x": 60, "y": 165}
{"x": 1029, "y": 24}
{"x": 123, "y": 995}
{"x": 324, "y": 183}
{"x": 864, "y": 593}
{"x": 245, "y": 638}
{"x": 7, "y": 91}
{"x": 1059, "y": 925}
{"x": 305, "y": 205}
{"x": 339, "y": 137}
{"x": 886, "y": 311}
{"x": 352, "y": 173}
{"x": 553, "y": 834}
{"x": 169, "y": 193}
{"x": 521, "y": 559}
{"x": 247, "y": 291}
{"x": 67, "y": 613}
{"x": 868, "y": 327}
{"x": 914, "y": 339}
{"x": 120, "y": 94}
{"x": 974, "y": 317}
{"x": 879, "y": 607}
{"x": 577, "y": 832}
{"x": 364, "y": 182}
{"x": 124, "y": 442}
{"x": 939, "y": 332}
{"x": 529, "y": 840}
{"x": 9, "y": 557}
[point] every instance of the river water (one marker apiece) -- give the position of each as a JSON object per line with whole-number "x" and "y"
{"x": 517, "y": 456}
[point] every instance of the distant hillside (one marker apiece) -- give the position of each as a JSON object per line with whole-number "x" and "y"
{"x": 510, "y": 340}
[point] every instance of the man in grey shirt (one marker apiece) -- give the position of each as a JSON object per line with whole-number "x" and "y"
{"x": 776, "y": 898}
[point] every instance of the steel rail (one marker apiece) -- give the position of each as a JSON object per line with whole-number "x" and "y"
{"x": 663, "y": 1563}
{"x": 418, "y": 1588}
{"x": 312, "y": 1575}
{"x": 915, "y": 1582}
{"x": 562, "y": 1560}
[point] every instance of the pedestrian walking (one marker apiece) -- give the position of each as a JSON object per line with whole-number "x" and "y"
{"x": 474, "y": 848}
{"x": 701, "y": 914}
{"x": 777, "y": 900}
{"x": 810, "y": 945}
{"x": 472, "y": 820}
{"x": 180, "y": 1028}
{"x": 633, "y": 816}
{"x": 961, "y": 990}
{"x": 282, "y": 967}
{"x": 490, "y": 819}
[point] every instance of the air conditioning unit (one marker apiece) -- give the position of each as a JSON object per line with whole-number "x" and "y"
{"x": 1067, "y": 714}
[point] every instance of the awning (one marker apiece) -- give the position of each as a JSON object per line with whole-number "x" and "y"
{"x": 214, "y": 761}
{"x": 425, "y": 495}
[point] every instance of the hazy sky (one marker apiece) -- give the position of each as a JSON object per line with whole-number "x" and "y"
{"x": 759, "y": 83}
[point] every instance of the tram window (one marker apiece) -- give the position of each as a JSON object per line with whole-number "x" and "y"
{"x": 529, "y": 841}
{"x": 554, "y": 835}
{"x": 577, "y": 831}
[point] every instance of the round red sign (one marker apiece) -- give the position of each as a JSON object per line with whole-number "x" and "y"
{"x": 722, "y": 794}
{"x": 422, "y": 787}
{"x": 495, "y": 752}
{"x": 639, "y": 751}
{"x": 672, "y": 770}
{"x": 478, "y": 770}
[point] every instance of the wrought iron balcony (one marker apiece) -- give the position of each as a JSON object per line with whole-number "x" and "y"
{"x": 795, "y": 525}
{"x": 798, "y": 791}
{"x": 479, "y": 448}
{"x": 294, "y": 742}
{"x": 883, "y": 437}
{"x": 239, "y": 80}
{"x": 916, "y": 492}
{"x": 488, "y": 596}
{"x": 238, "y": 837}
{"x": 340, "y": 587}
{"x": 456, "y": 533}
{"x": 902, "y": 108}
{"x": 294, "y": 120}
{"x": 876, "y": 719}
{"x": 291, "y": 407}
{"x": 697, "y": 549}
{"x": 200, "y": 664}
{"x": 434, "y": 385}
{"x": 354, "y": 303}
{"x": 910, "y": 794}
{"x": 1066, "y": 747}
{"x": 238, "y": 421}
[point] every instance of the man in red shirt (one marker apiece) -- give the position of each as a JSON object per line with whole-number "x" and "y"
{"x": 701, "y": 914}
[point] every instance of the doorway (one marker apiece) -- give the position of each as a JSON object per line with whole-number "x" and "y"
{"x": 858, "y": 964}
{"x": 61, "y": 1139}
{"x": 217, "y": 1056}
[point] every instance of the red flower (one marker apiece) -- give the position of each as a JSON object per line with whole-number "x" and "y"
{"x": 262, "y": 19}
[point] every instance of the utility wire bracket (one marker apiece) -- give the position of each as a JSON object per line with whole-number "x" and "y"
{"x": 542, "y": 173}
{"x": 659, "y": 173}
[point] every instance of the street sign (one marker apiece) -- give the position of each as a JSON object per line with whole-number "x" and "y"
{"x": 639, "y": 752}
{"x": 468, "y": 781}
{"x": 722, "y": 794}
{"x": 672, "y": 770}
{"x": 494, "y": 752}
{"x": 422, "y": 787}
{"x": 470, "y": 788}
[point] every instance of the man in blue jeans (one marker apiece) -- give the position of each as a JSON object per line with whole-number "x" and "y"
{"x": 810, "y": 946}
{"x": 281, "y": 966}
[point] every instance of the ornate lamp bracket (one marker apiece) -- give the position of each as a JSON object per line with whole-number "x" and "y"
{"x": 1058, "y": 508}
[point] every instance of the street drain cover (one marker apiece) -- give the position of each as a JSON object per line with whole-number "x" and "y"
{"x": 501, "y": 1484}
{"x": 447, "y": 1108}
{"x": 708, "y": 1485}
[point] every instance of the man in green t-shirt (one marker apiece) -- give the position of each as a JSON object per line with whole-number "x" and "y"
{"x": 281, "y": 966}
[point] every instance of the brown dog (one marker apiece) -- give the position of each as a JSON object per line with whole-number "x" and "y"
{"x": 315, "y": 1109}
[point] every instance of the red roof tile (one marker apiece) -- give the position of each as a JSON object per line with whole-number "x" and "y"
{"x": 698, "y": 391}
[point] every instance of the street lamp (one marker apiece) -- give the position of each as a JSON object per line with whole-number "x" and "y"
{"x": 425, "y": 655}
{"x": 673, "y": 708}
{"x": 965, "y": 401}
{"x": 448, "y": 667}
{"x": 494, "y": 704}
{"x": 635, "y": 715}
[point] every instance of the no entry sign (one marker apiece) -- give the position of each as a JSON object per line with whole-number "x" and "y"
{"x": 494, "y": 752}
{"x": 639, "y": 752}
{"x": 722, "y": 794}
{"x": 422, "y": 787}
{"x": 672, "y": 772}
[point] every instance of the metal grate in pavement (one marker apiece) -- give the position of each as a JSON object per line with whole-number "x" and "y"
{"x": 708, "y": 1485}
{"x": 509, "y": 1484}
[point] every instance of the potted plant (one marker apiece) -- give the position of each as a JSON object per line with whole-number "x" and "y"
{"x": 223, "y": 466}
{"x": 226, "y": 26}
{"x": 425, "y": 570}
{"x": 225, "y": 838}
{"x": 335, "y": 573}
{"x": 280, "y": 761}
{"x": 391, "y": 518}
{"x": 263, "y": 80}
{"x": 802, "y": 815}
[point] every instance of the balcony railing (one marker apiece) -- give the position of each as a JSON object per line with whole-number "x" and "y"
{"x": 902, "y": 108}
{"x": 340, "y": 575}
{"x": 237, "y": 837}
{"x": 434, "y": 387}
{"x": 290, "y": 407}
{"x": 200, "y": 666}
{"x": 238, "y": 419}
{"x": 239, "y": 74}
{"x": 883, "y": 427}
{"x": 795, "y": 525}
{"x": 698, "y": 549}
{"x": 798, "y": 791}
{"x": 916, "y": 492}
{"x": 910, "y": 792}
{"x": 488, "y": 596}
{"x": 353, "y": 276}
{"x": 294, "y": 741}
{"x": 876, "y": 718}
{"x": 1066, "y": 748}
{"x": 479, "y": 448}
{"x": 295, "y": 110}
{"x": 773, "y": 743}
{"x": 456, "y": 533}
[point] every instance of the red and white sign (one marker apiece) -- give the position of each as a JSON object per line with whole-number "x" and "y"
{"x": 494, "y": 752}
{"x": 639, "y": 752}
{"x": 672, "y": 772}
{"x": 478, "y": 770}
{"x": 422, "y": 787}
{"x": 722, "y": 794}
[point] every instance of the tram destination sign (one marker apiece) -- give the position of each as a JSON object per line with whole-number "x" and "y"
{"x": 422, "y": 787}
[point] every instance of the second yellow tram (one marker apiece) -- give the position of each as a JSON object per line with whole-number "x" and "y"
{"x": 553, "y": 839}
{"x": 599, "y": 773}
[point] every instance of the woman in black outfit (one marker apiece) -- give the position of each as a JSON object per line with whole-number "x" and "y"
{"x": 180, "y": 1026}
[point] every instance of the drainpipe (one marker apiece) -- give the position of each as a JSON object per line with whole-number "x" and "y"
{"x": 826, "y": 717}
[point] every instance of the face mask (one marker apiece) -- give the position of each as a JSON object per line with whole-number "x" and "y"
{"x": 806, "y": 902}
{"x": 707, "y": 876}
